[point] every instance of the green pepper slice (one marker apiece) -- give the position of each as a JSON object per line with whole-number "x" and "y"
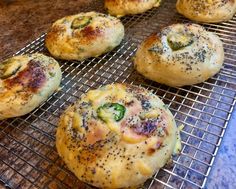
{"x": 179, "y": 41}
{"x": 81, "y": 22}
{"x": 111, "y": 110}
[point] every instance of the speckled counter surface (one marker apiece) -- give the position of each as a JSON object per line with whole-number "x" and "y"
{"x": 24, "y": 20}
{"x": 223, "y": 174}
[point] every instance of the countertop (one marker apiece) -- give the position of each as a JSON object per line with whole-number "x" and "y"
{"x": 24, "y": 20}
{"x": 223, "y": 174}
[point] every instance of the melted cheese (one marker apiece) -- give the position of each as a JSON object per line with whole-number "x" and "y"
{"x": 151, "y": 114}
{"x": 98, "y": 97}
{"x": 114, "y": 127}
{"x": 77, "y": 123}
{"x": 157, "y": 3}
{"x": 178, "y": 145}
{"x": 144, "y": 168}
{"x": 115, "y": 174}
{"x": 66, "y": 119}
{"x": 152, "y": 142}
{"x": 130, "y": 138}
{"x": 71, "y": 155}
{"x": 210, "y": 1}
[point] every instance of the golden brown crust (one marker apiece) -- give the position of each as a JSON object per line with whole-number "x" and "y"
{"x": 100, "y": 149}
{"x": 32, "y": 78}
{"x": 97, "y": 35}
{"x": 26, "y": 81}
{"x": 193, "y": 56}
{"x": 54, "y": 33}
{"x": 89, "y": 34}
{"x": 151, "y": 39}
{"x": 120, "y": 7}
{"x": 211, "y": 11}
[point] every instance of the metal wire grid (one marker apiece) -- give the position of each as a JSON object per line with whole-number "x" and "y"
{"x": 27, "y": 144}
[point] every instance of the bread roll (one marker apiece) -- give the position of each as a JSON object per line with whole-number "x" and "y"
{"x": 121, "y": 8}
{"x": 211, "y": 11}
{"x": 180, "y": 54}
{"x": 84, "y": 35}
{"x": 25, "y": 82}
{"x": 117, "y": 136}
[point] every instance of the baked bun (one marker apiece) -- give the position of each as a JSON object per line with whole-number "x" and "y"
{"x": 211, "y": 11}
{"x": 84, "y": 35}
{"x": 25, "y": 82}
{"x": 181, "y": 54}
{"x": 120, "y": 7}
{"x": 117, "y": 136}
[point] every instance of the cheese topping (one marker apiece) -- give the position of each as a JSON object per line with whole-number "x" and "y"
{"x": 114, "y": 131}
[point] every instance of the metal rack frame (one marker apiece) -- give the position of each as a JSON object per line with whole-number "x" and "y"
{"x": 27, "y": 144}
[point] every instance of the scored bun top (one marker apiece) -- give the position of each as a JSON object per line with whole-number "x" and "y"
{"x": 25, "y": 81}
{"x": 22, "y": 72}
{"x": 121, "y": 8}
{"x": 211, "y": 11}
{"x": 84, "y": 35}
{"x": 180, "y": 54}
{"x": 114, "y": 131}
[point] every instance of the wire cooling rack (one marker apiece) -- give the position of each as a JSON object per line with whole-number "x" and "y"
{"x": 28, "y": 158}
